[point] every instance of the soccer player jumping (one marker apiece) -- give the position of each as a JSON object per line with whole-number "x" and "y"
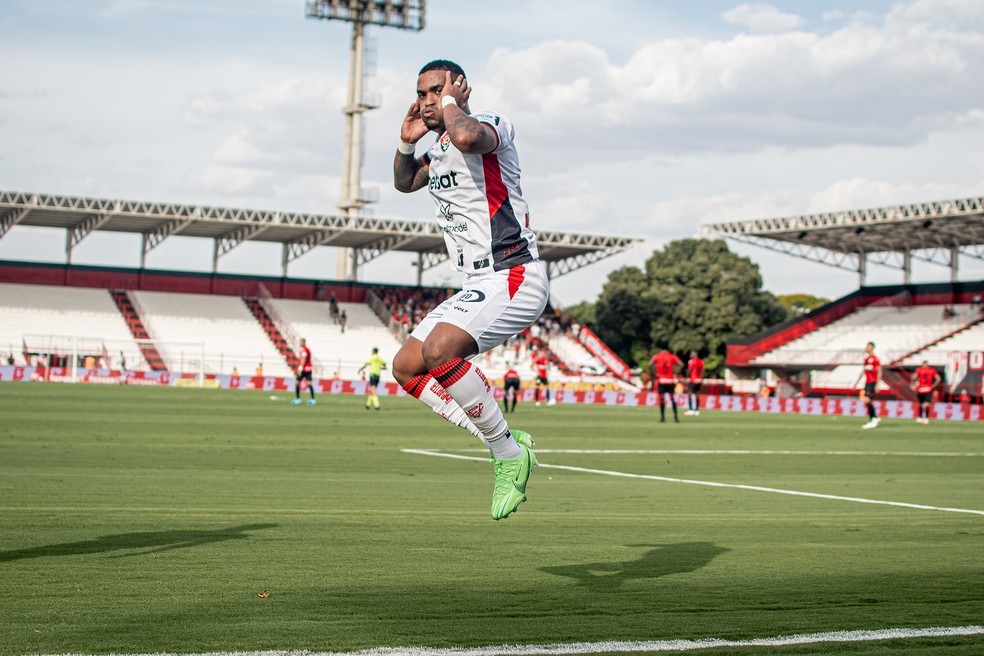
{"x": 472, "y": 171}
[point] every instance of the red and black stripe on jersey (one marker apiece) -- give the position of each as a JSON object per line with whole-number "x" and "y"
{"x": 509, "y": 248}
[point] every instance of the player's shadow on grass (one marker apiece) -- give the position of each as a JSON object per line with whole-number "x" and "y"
{"x": 146, "y": 543}
{"x": 663, "y": 560}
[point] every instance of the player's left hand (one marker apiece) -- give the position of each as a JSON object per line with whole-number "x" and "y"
{"x": 457, "y": 89}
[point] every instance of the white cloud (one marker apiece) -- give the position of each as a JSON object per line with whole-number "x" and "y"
{"x": 762, "y": 18}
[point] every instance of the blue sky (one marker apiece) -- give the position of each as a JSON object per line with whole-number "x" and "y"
{"x": 633, "y": 118}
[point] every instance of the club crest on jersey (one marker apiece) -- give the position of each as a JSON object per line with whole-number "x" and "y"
{"x": 444, "y": 142}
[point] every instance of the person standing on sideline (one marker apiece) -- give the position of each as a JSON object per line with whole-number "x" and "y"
{"x": 695, "y": 378}
{"x": 664, "y": 367}
{"x": 924, "y": 380}
{"x": 472, "y": 172}
{"x": 872, "y": 374}
{"x": 510, "y": 390}
{"x": 541, "y": 364}
{"x": 375, "y": 364}
{"x": 304, "y": 372}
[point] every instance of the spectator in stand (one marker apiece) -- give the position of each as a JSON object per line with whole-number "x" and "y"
{"x": 871, "y": 372}
{"x": 976, "y": 304}
{"x": 259, "y": 370}
{"x": 343, "y": 320}
{"x": 10, "y": 359}
{"x": 695, "y": 375}
{"x": 122, "y": 362}
{"x": 333, "y": 308}
{"x": 511, "y": 385}
{"x": 964, "y": 397}
{"x": 924, "y": 381}
{"x": 664, "y": 367}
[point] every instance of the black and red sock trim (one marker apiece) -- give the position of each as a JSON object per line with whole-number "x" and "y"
{"x": 451, "y": 372}
{"x": 416, "y": 385}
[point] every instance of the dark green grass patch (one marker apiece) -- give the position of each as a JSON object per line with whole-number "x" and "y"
{"x": 143, "y": 520}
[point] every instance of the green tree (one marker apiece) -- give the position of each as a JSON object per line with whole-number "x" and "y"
{"x": 583, "y": 313}
{"x": 694, "y": 295}
{"x": 799, "y": 304}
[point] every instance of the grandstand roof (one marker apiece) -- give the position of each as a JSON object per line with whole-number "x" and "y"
{"x": 298, "y": 232}
{"x": 937, "y": 232}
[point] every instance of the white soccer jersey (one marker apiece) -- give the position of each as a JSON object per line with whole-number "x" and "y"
{"x": 479, "y": 202}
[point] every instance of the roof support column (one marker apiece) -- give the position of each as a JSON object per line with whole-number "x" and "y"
{"x": 907, "y": 266}
{"x": 420, "y": 269}
{"x": 954, "y": 263}
{"x": 862, "y": 268}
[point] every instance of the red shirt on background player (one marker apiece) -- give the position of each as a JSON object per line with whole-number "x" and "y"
{"x": 872, "y": 374}
{"x": 926, "y": 379}
{"x": 695, "y": 368}
{"x": 542, "y": 384}
{"x": 664, "y": 367}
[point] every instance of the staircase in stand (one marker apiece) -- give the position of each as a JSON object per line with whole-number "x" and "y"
{"x": 900, "y": 382}
{"x": 138, "y": 330}
{"x": 270, "y": 327}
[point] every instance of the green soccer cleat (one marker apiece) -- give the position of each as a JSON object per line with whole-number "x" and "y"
{"x": 511, "y": 477}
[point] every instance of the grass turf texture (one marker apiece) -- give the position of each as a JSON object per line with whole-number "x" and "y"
{"x": 143, "y": 520}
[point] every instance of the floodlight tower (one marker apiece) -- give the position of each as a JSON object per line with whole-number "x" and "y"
{"x": 402, "y": 14}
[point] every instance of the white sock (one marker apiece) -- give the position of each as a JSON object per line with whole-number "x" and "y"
{"x": 471, "y": 390}
{"x": 427, "y": 390}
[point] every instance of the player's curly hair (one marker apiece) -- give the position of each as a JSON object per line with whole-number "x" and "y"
{"x": 444, "y": 65}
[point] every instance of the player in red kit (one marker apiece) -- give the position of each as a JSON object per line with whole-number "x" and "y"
{"x": 540, "y": 364}
{"x": 304, "y": 372}
{"x": 695, "y": 377}
{"x": 872, "y": 374}
{"x": 924, "y": 380}
{"x": 510, "y": 390}
{"x": 664, "y": 367}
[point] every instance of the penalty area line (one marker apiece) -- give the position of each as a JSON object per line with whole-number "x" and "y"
{"x": 736, "y": 486}
{"x": 650, "y": 646}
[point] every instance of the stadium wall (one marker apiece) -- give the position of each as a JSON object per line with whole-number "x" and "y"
{"x": 846, "y": 407}
{"x": 741, "y": 351}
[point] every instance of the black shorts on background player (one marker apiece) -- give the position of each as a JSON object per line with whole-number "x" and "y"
{"x": 869, "y": 390}
{"x": 373, "y": 380}
{"x": 924, "y": 397}
{"x": 693, "y": 388}
{"x": 665, "y": 388}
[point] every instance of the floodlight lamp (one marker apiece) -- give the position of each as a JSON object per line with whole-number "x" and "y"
{"x": 402, "y": 14}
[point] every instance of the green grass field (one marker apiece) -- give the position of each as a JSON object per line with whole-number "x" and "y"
{"x": 139, "y": 520}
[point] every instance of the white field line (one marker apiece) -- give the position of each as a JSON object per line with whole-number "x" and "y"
{"x": 651, "y": 646}
{"x": 744, "y": 452}
{"x": 687, "y": 481}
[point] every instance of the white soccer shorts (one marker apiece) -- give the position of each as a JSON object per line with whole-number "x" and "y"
{"x": 493, "y": 306}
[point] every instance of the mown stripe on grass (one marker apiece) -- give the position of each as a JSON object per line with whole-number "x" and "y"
{"x": 744, "y": 452}
{"x": 737, "y": 486}
{"x": 650, "y": 646}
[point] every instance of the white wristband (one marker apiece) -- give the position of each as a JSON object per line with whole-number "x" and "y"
{"x": 405, "y": 148}
{"x": 448, "y": 100}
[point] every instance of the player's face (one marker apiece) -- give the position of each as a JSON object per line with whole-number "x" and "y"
{"x": 429, "y": 86}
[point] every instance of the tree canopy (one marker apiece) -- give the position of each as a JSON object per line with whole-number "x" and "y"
{"x": 694, "y": 295}
{"x": 799, "y": 304}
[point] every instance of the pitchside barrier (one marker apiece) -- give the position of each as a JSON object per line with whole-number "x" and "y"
{"x": 843, "y": 407}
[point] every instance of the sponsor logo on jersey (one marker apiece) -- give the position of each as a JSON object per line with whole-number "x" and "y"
{"x": 446, "y": 181}
{"x": 472, "y": 296}
{"x": 458, "y": 227}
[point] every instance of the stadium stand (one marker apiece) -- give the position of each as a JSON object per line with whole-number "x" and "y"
{"x": 182, "y": 325}
{"x": 45, "y": 319}
{"x": 332, "y": 350}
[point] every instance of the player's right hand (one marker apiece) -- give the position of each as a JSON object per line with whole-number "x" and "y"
{"x": 413, "y": 128}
